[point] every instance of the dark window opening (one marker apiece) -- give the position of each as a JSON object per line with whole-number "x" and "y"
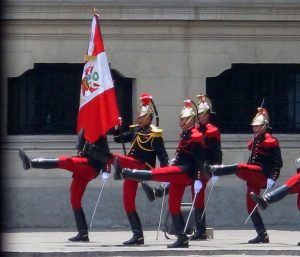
{"x": 45, "y": 99}
{"x": 237, "y": 92}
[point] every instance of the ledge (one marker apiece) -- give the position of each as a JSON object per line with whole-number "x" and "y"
{"x": 272, "y": 10}
{"x": 68, "y": 142}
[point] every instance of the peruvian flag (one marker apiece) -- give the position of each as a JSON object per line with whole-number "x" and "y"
{"x": 98, "y": 110}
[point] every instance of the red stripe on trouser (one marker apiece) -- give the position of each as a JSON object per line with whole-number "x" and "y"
{"x": 255, "y": 179}
{"x": 129, "y": 194}
{"x": 200, "y": 198}
{"x": 176, "y": 192}
{"x": 83, "y": 173}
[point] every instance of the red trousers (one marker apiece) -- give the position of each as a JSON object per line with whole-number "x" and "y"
{"x": 178, "y": 179}
{"x": 255, "y": 178}
{"x": 83, "y": 173}
{"x": 200, "y": 198}
{"x": 129, "y": 186}
{"x": 293, "y": 184}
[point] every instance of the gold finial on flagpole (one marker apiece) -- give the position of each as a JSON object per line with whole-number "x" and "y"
{"x": 94, "y": 10}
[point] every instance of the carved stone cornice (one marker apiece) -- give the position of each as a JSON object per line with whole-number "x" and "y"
{"x": 153, "y": 30}
{"x": 221, "y": 10}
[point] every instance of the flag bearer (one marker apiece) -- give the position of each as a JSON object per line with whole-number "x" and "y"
{"x": 146, "y": 144}
{"x": 85, "y": 166}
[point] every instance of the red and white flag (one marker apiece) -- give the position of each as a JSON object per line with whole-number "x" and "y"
{"x": 98, "y": 110}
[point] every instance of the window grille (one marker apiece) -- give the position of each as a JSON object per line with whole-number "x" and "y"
{"x": 45, "y": 99}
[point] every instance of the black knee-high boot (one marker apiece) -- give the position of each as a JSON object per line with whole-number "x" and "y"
{"x": 136, "y": 174}
{"x": 182, "y": 239}
{"x": 277, "y": 194}
{"x": 200, "y": 233}
{"x": 40, "y": 163}
{"x": 219, "y": 170}
{"x": 262, "y": 235}
{"x": 154, "y": 192}
{"x": 274, "y": 196}
{"x": 81, "y": 227}
{"x": 136, "y": 227}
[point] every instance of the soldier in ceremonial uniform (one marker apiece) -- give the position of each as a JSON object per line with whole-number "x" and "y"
{"x": 261, "y": 170}
{"x": 85, "y": 166}
{"x": 212, "y": 155}
{"x": 291, "y": 186}
{"x": 146, "y": 144}
{"x": 185, "y": 171}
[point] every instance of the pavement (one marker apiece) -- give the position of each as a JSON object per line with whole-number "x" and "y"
{"x": 231, "y": 242}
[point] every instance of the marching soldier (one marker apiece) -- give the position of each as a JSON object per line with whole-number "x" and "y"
{"x": 261, "y": 170}
{"x": 291, "y": 186}
{"x": 85, "y": 166}
{"x": 185, "y": 171}
{"x": 212, "y": 155}
{"x": 146, "y": 144}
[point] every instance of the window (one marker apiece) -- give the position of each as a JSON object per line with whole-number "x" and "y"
{"x": 237, "y": 92}
{"x": 45, "y": 99}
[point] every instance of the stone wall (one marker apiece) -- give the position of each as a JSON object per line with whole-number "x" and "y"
{"x": 169, "y": 48}
{"x": 40, "y": 198}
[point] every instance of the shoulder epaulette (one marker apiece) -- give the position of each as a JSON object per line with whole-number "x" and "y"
{"x": 155, "y": 131}
{"x": 270, "y": 141}
{"x": 196, "y": 135}
{"x": 212, "y": 131}
{"x": 133, "y": 126}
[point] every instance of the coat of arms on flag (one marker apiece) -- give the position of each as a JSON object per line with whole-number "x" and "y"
{"x": 90, "y": 81}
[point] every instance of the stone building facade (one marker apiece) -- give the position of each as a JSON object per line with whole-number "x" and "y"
{"x": 168, "y": 48}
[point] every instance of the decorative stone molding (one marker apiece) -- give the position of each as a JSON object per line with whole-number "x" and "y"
{"x": 222, "y": 10}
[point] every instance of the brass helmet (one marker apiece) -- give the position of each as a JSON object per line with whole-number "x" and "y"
{"x": 146, "y": 108}
{"x": 188, "y": 109}
{"x": 261, "y": 118}
{"x": 297, "y": 162}
{"x": 204, "y": 104}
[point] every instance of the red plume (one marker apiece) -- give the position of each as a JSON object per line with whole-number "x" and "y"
{"x": 145, "y": 98}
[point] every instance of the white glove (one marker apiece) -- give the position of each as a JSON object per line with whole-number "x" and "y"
{"x": 197, "y": 186}
{"x": 165, "y": 184}
{"x": 270, "y": 183}
{"x": 105, "y": 175}
{"x": 172, "y": 162}
{"x": 297, "y": 162}
{"x": 214, "y": 179}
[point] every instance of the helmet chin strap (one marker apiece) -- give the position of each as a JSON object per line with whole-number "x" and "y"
{"x": 259, "y": 132}
{"x": 186, "y": 125}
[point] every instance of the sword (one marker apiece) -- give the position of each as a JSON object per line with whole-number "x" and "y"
{"x": 256, "y": 206}
{"x": 161, "y": 210}
{"x": 208, "y": 197}
{"x": 97, "y": 203}
{"x": 188, "y": 219}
